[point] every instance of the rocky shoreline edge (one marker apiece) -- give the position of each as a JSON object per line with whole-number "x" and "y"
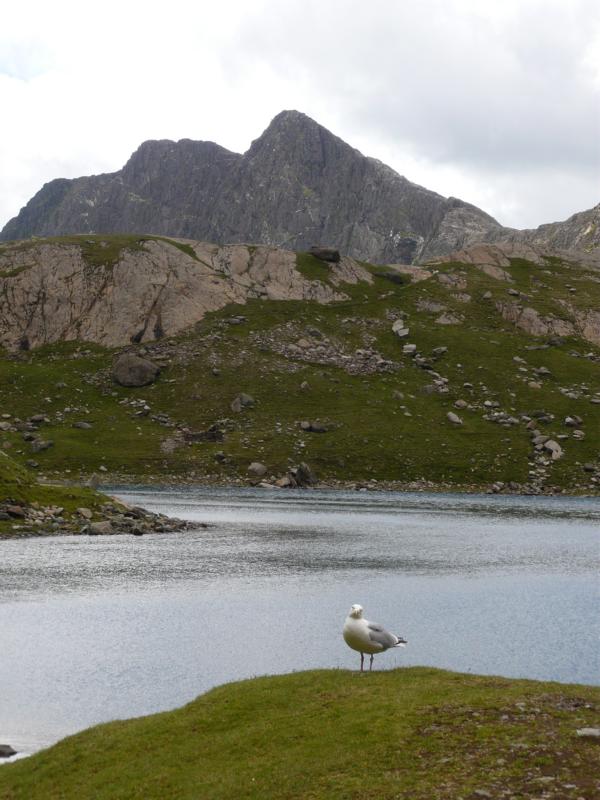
{"x": 370, "y": 485}
{"x": 111, "y": 518}
{"x": 116, "y": 517}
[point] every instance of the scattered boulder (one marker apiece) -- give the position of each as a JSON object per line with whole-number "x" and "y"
{"x": 399, "y": 329}
{"x": 314, "y": 427}
{"x": 454, "y": 418}
{"x": 214, "y": 433}
{"x": 16, "y": 511}
{"x": 39, "y": 445}
{"x": 554, "y": 449}
{"x": 241, "y": 401}
{"x": 448, "y": 319}
{"x": 430, "y": 306}
{"x": 257, "y": 470}
{"x": 303, "y": 475}
{"x": 100, "y": 528}
{"x": 588, "y": 733}
{"x": 131, "y": 370}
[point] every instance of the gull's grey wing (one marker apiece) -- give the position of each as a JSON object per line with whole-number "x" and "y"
{"x": 377, "y": 633}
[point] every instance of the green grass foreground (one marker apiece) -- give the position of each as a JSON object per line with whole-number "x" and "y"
{"x": 417, "y": 733}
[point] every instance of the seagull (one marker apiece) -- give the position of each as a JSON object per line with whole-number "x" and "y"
{"x": 368, "y": 637}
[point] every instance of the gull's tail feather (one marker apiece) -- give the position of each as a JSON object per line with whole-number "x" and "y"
{"x": 401, "y": 642}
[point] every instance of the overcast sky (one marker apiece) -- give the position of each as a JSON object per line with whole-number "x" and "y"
{"x": 493, "y": 101}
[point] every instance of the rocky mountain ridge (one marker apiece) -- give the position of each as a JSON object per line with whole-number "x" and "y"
{"x": 296, "y": 186}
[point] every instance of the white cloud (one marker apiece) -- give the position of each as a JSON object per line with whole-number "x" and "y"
{"x": 493, "y": 102}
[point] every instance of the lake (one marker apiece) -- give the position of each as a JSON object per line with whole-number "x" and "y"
{"x": 99, "y": 628}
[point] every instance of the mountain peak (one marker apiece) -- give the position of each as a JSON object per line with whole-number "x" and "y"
{"x": 292, "y": 119}
{"x": 287, "y": 129}
{"x": 297, "y": 185}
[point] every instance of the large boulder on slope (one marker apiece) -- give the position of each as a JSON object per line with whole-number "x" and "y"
{"x": 132, "y": 370}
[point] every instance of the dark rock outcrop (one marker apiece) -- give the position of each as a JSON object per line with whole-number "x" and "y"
{"x": 326, "y": 254}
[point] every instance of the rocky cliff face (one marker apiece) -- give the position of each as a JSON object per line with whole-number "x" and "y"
{"x": 298, "y": 185}
{"x": 52, "y": 292}
{"x": 580, "y": 233}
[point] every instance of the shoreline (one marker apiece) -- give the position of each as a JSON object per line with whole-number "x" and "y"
{"x": 495, "y": 488}
{"x": 118, "y": 518}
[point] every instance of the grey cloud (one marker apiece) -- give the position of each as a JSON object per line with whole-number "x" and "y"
{"x": 444, "y": 83}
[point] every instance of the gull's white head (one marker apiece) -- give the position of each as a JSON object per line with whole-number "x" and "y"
{"x": 356, "y": 611}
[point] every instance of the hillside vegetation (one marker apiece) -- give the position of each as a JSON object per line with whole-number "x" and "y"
{"x": 512, "y": 352}
{"x": 414, "y": 734}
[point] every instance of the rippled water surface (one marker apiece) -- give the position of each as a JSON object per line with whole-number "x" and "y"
{"x": 100, "y": 628}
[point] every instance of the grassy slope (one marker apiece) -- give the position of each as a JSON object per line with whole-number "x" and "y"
{"x": 373, "y": 437}
{"x": 414, "y": 733}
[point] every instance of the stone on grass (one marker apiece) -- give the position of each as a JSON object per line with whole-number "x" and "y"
{"x": 399, "y": 329}
{"x": 588, "y": 733}
{"x": 256, "y": 469}
{"x": 131, "y": 370}
{"x": 454, "y": 418}
{"x": 448, "y": 319}
{"x": 39, "y": 445}
{"x": 554, "y": 449}
{"x": 241, "y": 401}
